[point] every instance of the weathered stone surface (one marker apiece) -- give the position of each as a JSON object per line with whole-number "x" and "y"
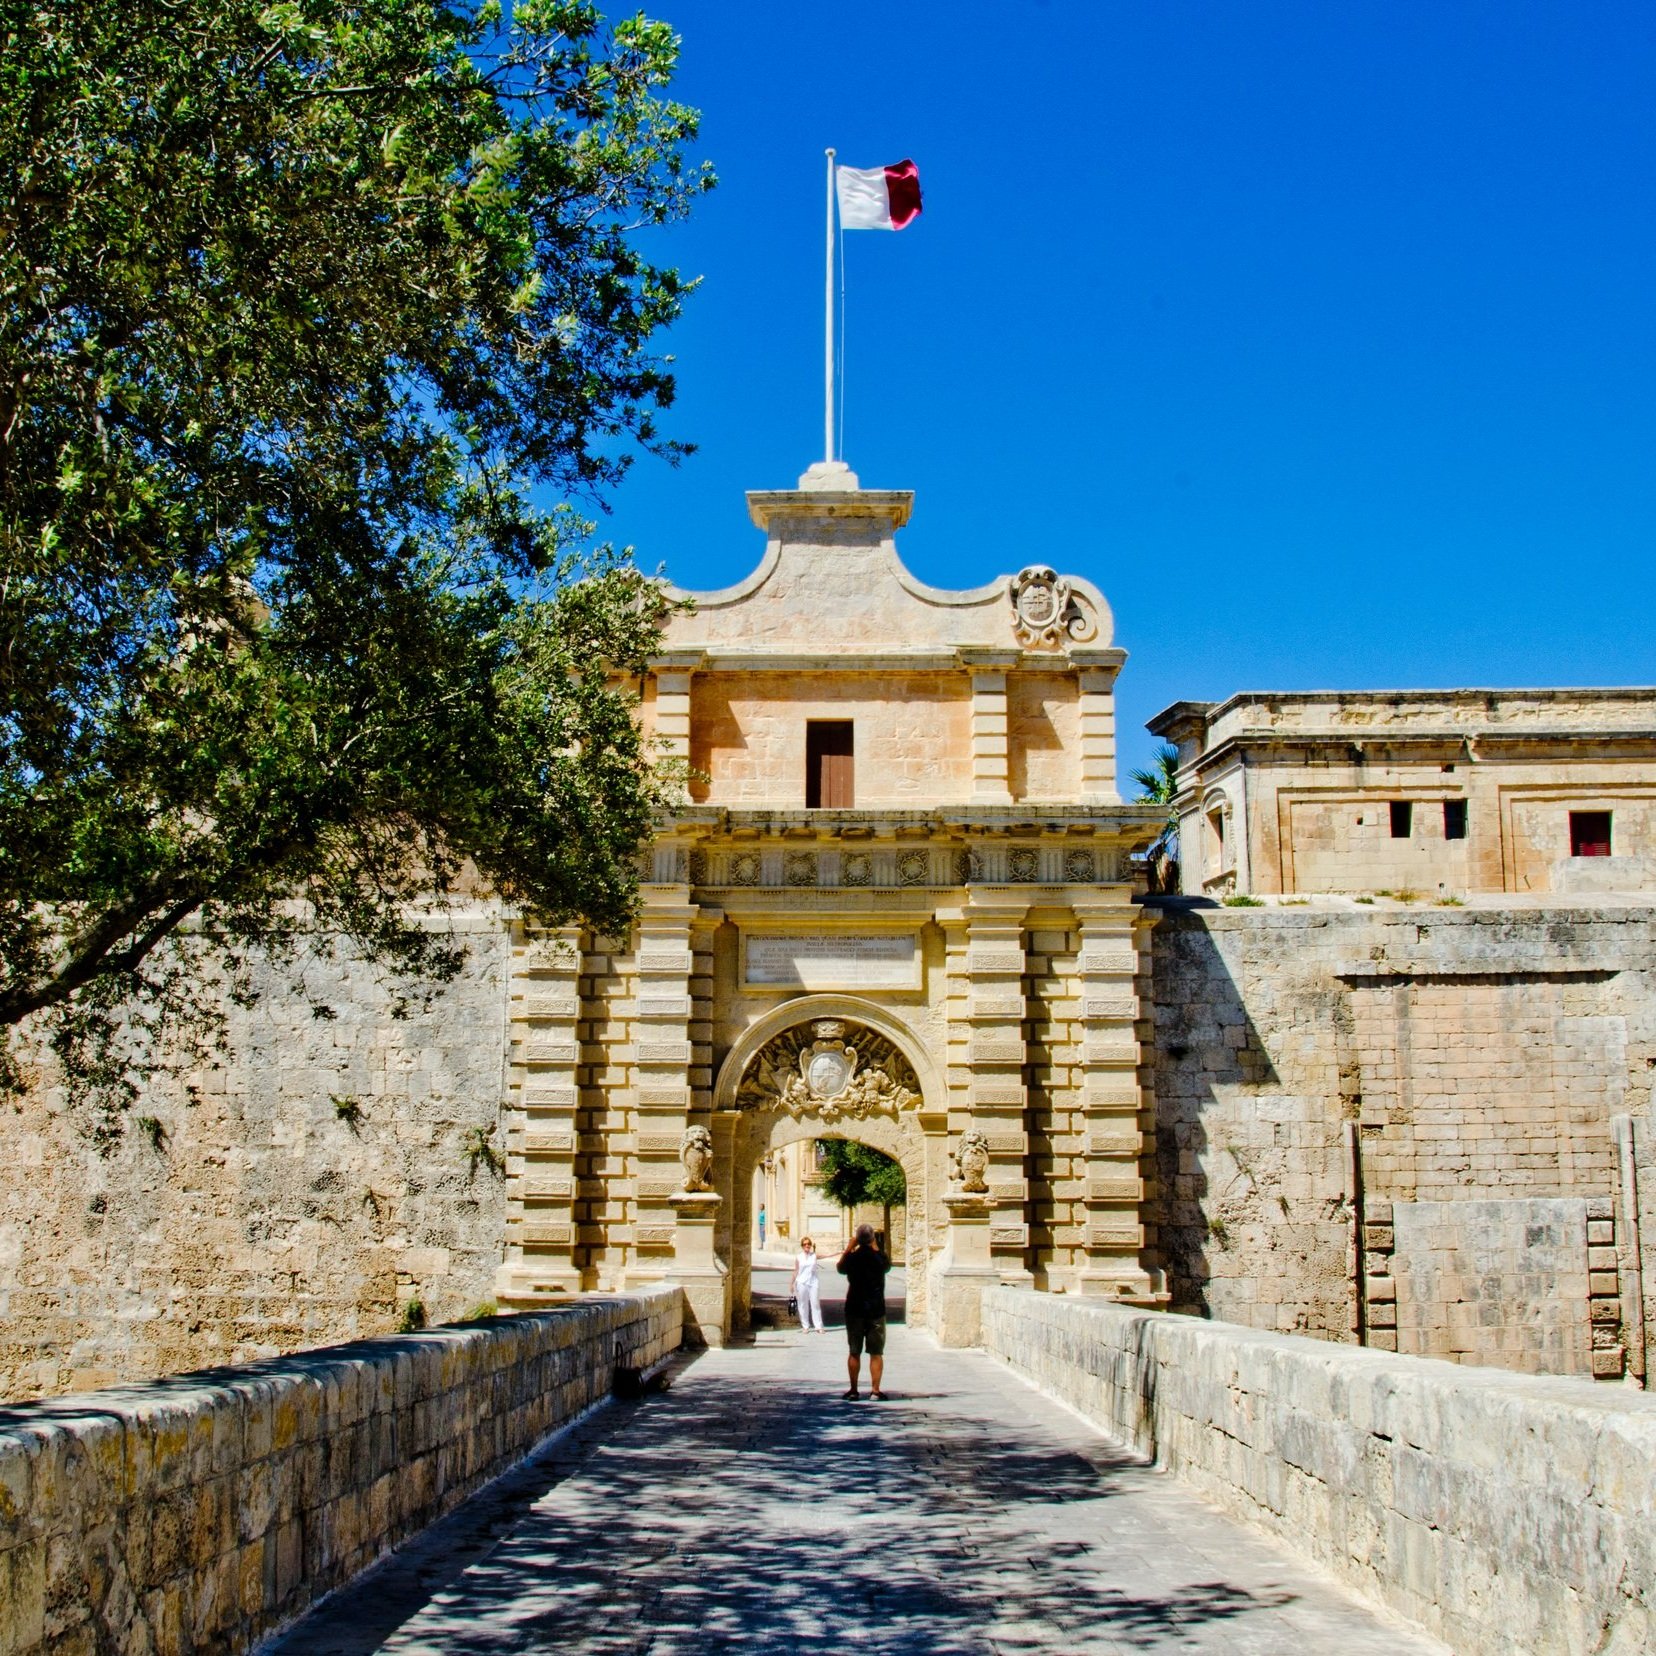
{"x": 1442, "y": 1057}
{"x": 1504, "y": 1513}
{"x": 307, "y": 1187}
{"x": 1435, "y": 791}
{"x": 204, "y": 1511}
{"x": 737, "y": 1511}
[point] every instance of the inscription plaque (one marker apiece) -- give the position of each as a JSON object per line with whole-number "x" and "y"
{"x": 842, "y": 962}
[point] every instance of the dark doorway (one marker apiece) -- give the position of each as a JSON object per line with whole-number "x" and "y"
{"x": 828, "y": 764}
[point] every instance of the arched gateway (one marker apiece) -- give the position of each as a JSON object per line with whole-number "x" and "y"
{"x": 894, "y": 909}
{"x": 830, "y": 1066}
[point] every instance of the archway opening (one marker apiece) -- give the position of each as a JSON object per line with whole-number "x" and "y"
{"x": 824, "y": 1067}
{"x": 759, "y": 1277}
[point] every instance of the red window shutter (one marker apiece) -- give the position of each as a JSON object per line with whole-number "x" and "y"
{"x": 1589, "y": 833}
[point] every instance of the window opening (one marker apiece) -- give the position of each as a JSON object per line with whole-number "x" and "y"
{"x": 1454, "y": 819}
{"x": 1589, "y": 833}
{"x": 828, "y": 764}
{"x": 1402, "y": 818}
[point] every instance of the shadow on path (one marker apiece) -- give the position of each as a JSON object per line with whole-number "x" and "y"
{"x": 750, "y": 1508}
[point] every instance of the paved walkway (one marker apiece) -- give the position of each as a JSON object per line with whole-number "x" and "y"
{"x": 749, "y": 1508}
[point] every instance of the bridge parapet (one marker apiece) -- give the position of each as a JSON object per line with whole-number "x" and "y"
{"x": 1501, "y": 1512}
{"x": 204, "y": 1511}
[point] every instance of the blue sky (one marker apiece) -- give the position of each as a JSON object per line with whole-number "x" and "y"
{"x": 1321, "y": 336}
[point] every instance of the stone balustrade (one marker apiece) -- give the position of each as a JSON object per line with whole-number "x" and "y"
{"x": 204, "y": 1511}
{"x": 1508, "y": 1514}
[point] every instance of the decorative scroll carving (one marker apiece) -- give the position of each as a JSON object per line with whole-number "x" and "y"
{"x": 799, "y": 868}
{"x": 1080, "y": 866}
{"x": 814, "y": 1070}
{"x": 857, "y": 869}
{"x": 913, "y": 868}
{"x": 696, "y": 1153}
{"x": 1047, "y": 610}
{"x": 1023, "y": 864}
{"x": 969, "y": 1162}
{"x": 744, "y": 868}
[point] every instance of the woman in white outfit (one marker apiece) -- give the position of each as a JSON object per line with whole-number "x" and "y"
{"x": 806, "y": 1290}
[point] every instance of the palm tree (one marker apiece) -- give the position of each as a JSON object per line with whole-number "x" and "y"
{"x": 1160, "y": 786}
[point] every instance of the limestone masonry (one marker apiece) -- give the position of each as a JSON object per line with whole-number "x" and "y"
{"x": 1405, "y": 1103}
{"x": 1436, "y": 791}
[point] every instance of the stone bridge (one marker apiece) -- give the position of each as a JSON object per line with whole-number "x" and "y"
{"x": 1093, "y": 1479}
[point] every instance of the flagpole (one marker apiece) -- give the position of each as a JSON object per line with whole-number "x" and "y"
{"x": 828, "y": 329}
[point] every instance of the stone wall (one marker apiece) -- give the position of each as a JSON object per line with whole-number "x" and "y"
{"x": 205, "y": 1511}
{"x": 300, "y": 1192}
{"x": 1507, "y": 1514}
{"x": 1311, "y": 1057}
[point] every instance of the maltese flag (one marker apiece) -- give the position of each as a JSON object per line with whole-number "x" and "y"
{"x": 878, "y": 198}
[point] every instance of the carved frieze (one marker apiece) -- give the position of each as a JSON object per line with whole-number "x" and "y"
{"x": 913, "y": 868}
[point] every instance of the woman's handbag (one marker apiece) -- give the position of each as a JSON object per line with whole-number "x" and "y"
{"x": 793, "y": 1305}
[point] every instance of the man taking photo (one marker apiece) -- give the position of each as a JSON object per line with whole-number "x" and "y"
{"x": 864, "y": 1268}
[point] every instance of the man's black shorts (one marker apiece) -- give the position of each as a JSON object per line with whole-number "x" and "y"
{"x": 869, "y": 1331}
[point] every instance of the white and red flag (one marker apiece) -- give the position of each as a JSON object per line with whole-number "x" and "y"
{"x": 878, "y": 198}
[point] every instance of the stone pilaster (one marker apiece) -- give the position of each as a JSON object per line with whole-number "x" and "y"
{"x": 661, "y": 1073}
{"x": 1097, "y": 718}
{"x": 673, "y": 676}
{"x": 1111, "y": 1100}
{"x": 993, "y": 1017}
{"x": 991, "y": 784}
{"x": 542, "y": 1102}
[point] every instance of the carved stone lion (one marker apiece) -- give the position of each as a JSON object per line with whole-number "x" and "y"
{"x": 696, "y": 1152}
{"x": 971, "y": 1162}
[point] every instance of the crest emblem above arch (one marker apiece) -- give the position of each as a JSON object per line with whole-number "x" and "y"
{"x": 829, "y": 1068}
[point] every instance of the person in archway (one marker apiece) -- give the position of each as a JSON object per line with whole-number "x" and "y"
{"x": 806, "y": 1289}
{"x": 864, "y": 1268}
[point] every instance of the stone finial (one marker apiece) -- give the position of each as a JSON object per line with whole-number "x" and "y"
{"x": 970, "y": 1162}
{"x": 829, "y": 476}
{"x": 696, "y": 1152}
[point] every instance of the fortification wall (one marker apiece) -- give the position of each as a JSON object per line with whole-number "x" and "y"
{"x": 204, "y": 1511}
{"x": 1505, "y": 1513}
{"x": 1408, "y": 1058}
{"x": 298, "y": 1193}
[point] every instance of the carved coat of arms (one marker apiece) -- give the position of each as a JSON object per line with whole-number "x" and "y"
{"x": 828, "y": 1079}
{"x": 1046, "y": 610}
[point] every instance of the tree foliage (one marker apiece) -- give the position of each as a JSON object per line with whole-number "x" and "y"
{"x": 1159, "y": 785}
{"x": 853, "y": 1175}
{"x": 307, "y": 309}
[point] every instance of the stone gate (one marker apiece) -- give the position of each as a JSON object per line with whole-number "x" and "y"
{"x": 893, "y": 907}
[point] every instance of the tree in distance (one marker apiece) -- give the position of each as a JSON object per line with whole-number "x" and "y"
{"x": 854, "y": 1175}
{"x": 306, "y": 309}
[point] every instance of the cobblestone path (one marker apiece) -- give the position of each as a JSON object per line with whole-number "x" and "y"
{"x": 750, "y": 1508}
